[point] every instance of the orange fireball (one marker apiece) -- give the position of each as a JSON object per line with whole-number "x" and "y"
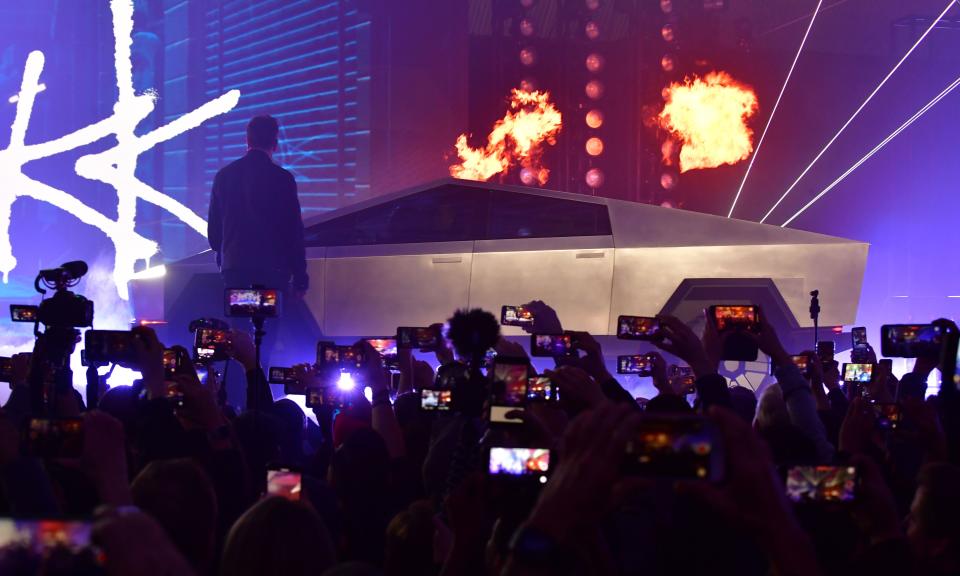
{"x": 516, "y": 140}
{"x": 709, "y": 117}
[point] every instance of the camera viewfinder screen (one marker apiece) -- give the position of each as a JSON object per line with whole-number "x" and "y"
{"x": 432, "y": 399}
{"x": 19, "y": 313}
{"x": 861, "y": 373}
{"x": 284, "y": 483}
{"x": 821, "y": 483}
{"x": 252, "y": 302}
{"x": 515, "y": 316}
{"x": 911, "y": 340}
{"x": 638, "y": 327}
{"x": 682, "y": 448}
{"x": 385, "y": 346}
{"x": 551, "y": 345}
{"x": 736, "y": 317}
{"x": 520, "y": 462}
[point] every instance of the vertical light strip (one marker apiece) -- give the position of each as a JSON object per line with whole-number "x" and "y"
{"x": 774, "y": 111}
{"x": 862, "y": 106}
{"x": 877, "y": 148}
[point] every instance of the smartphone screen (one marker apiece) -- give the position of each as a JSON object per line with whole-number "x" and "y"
{"x": 6, "y": 369}
{"x": 49, "y": 538}
{"x": 639, "y": 364}
{"x": 284, "y": 483}
{"x": 56, "y": 438}
{"x": 888, "y": 415}
{"x": 349, "y": 358}
{"x": 860, "y": 373}
{"x": 109, "y": 346}
{"x": 327, "y": 353}
{"x": 911, "y": 340}
{"x": 821, "y": 483}
{"x": 674, "y": 447}
{"x": 859, "y": 336}
{"x": 280, "y": 375}
{"x": 737, "y": 318}
{"x": 801, "y": 361}
{"x": 387, "y": 347}
{"x": 638, "y": 328}
{"x": 171, "y": 363}
{"x": 433, "y": 399}
{"x": 542, "y": 388}
{"x": 509, "y": 390}
{"x": 251, "y": 302}
{"x": 682, "y": 378}
{"x": 516, "y": 316}
{"x": 551, "y": 345}
{"x": 211, "y": 344}
{"x": 24, "y": 313}
{"x": 519, "y": 462}
{"x": 426, "y": 338}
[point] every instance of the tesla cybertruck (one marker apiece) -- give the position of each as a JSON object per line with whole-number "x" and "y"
{"x": 412, "y": 257}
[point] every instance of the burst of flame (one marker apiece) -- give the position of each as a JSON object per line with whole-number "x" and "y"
{"x": 709, "y": 117}
{"x": 516, "y": 140}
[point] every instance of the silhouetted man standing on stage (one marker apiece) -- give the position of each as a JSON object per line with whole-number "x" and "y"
{"x": 254, "y": 224}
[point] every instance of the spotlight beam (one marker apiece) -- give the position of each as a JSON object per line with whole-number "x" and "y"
{"x": 862, "y": 106}
{"x": 774, "y": 111}
{"x": 876, "y": 149}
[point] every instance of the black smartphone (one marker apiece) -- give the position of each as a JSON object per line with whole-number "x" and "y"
{"x": 912, "y": 340}
{"x": 509, "y": 389}
{"x": 638, "y": 328}
{"x": 888, "y": 415}
{"x": 522, "y": 463}
{"x": 282, "y": 375}
{"x": 24, "y": 313}
{"x": 736, "y": 317}
{"x": 422, "y": 338}
{"x": 252, "y": 302}
{"x": 551, "y": 345}
{"x": 825, "y": 351}
{"x": 639, "y": 364}
{"x": 809, "y": 484}
{"x": 541, "y": 388}
{"x": 859, "y": 337}
{"x": 516, "y": 316}
{"x": 211, "y": 344}
{"x": 675, "y": 447}
{"x": 109, "y": 347}
{"x": 68, "y": 541}
{"x": 55, "y": 438}
{"x": 284, "y": 482}
{"x": 436, "y": 399}
{"x": 859, "y": 373}
{"x": 6, "y": 369}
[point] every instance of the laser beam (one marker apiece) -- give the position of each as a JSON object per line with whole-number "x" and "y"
{"x": 862, "y": 106}
{"x": 774, "y": 111}
{"x": 876, "y": 149}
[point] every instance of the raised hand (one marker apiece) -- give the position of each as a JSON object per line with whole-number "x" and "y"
{"x": 679, "y": 340}
{"x": 576, "y": 386}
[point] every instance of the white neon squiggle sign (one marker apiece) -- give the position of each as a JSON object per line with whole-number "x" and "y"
{"x": 115, "y": 167}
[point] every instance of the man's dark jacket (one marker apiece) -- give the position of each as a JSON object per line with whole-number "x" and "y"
{"x": 254, "y": 222}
